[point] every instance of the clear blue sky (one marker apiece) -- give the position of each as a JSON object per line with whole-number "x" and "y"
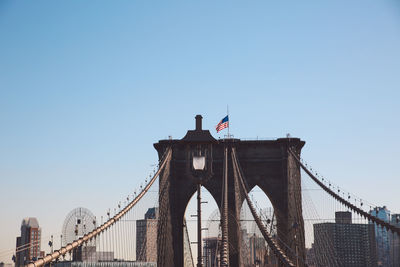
{"x": 86, "y": 88}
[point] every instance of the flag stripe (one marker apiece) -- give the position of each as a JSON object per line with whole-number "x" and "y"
{"x": 224, "y": 123}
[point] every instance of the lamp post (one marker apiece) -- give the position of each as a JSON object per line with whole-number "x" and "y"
{"x": 199, "y": 163}
{"x": 199, "y": 238}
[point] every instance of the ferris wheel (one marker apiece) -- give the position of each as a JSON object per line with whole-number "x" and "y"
{"x": 78, "y": 222}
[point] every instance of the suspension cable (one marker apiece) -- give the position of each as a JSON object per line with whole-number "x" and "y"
{"x": 224, "y": 215}
{"x": 368, "y": 216}
{"x": 69, "y": 247}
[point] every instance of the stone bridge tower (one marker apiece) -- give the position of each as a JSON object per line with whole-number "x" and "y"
{"x": 266, "y": 164}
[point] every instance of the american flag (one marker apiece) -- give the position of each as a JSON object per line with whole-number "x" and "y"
{"x": 224, "y": 123}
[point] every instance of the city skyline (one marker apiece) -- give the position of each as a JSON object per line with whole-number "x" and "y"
{"x": 87, "y": 89}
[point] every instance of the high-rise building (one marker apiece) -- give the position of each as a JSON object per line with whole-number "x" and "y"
{"x": 344, "y": 244}
{"x": 257, "y": 250}
{"x": 211, "y": 251}
{"x": 146, "y": 237}
{"x": 342, "y": 217}
{"x": 28, "y": 244}
{"x": 395, "y": 244}
{"x": 383, "y": 237}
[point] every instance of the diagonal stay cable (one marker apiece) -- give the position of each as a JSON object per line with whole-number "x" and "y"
{"x": 264, "y": 218}
{"x": 368, "y": 216}
{"x": 224, "y": 214}
{"x": 274, "y": 246}
{"x": 69, "y": 247}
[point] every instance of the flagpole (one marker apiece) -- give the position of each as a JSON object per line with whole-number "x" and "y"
{"x": 227, "y": 112}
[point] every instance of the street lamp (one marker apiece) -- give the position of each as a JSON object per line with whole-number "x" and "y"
{"x": 199, "y": 163}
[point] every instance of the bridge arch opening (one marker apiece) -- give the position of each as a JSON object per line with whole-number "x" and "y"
{"x": 255, "y": 251}
{"x": 209, "y": 211}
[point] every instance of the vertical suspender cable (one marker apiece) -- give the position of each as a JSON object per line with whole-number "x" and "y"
{"x": 109, "y": 244}
{"x": 327, "y": 189}
{"x": 113, "y": 242}
{"x": 89, "y": 236}
{"x": 119, "y": 239}
{"x": 125, "y": 235}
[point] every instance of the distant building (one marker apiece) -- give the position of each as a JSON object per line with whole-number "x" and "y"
{"x": 104, "y": 264}
{"x": 28, "y": 244}
{"x": 383, "y": 237}
{"x": 343, "y": 217}
{"x": 310, "y": 256}
{"x": 211, "y": 251}
{"x": 257, "y": 250}
{"x": 254, "y": 251}
{"x": 395, "y": 244}
{"x": 146, "y": 237}
{"x": 343, "y": 244}
{"x": 104, "y": 256}
{"x": 88, "y": 253}
{"x": 85, "y": 253}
